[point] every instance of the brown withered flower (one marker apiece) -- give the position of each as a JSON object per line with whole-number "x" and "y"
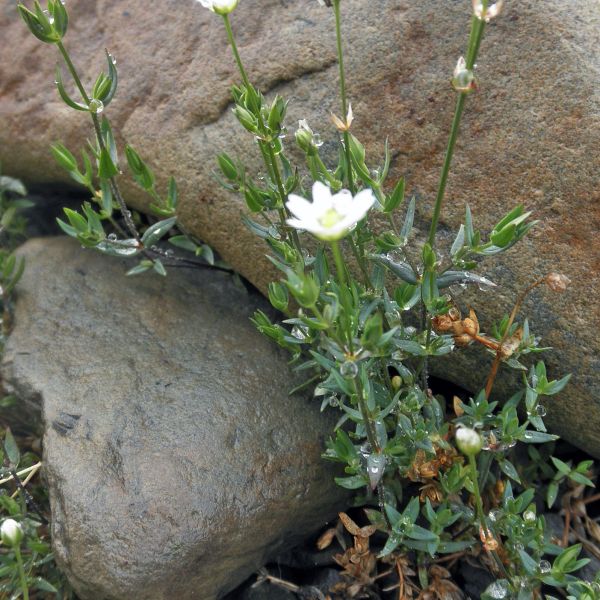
{"x": 557, "y": 282}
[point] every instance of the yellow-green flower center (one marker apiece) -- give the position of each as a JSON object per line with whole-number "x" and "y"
{"x": 330, "y": 218}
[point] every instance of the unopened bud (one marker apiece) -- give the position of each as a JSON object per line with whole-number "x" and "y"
{"x": 469, "y": 442}
{"x": 11, "y": 533}
{"x": 489, "y": 12}
{"x": 396, "y": 382}
{"x": 463, "y": 79}
{"x": 557, "y": 282}
{"x": 305, "y": 137}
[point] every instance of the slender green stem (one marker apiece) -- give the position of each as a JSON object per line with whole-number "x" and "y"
{"x": 235, "y": 51}
{"x": 22, "y": 578}
{"x": 477, "y": 493}
{"x": 460, "y": 105}
{"x": 283, "y": 195}
{"x": 340, "y": 52}
{"x": 73, "y": 72}
{"x": 477, "y": 28}
{"x": 361, "y": 263}
{"x": 344, "y": 291}
{"x": 112, "y": 181}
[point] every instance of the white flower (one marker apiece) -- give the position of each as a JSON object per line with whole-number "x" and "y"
{"x": 11, "y": 533}
{"x": 221, "y": 7}
{"x": 329, "y": 216}
{"x": 468, "y": 441}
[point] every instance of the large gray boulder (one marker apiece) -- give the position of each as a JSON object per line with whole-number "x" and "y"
{"x": 531, "y": 134}
{"x": 175, "y": 459}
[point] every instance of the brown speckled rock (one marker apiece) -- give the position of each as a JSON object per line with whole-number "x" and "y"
{"x": 176, "y": 461}
{"x": 531, "y": 134}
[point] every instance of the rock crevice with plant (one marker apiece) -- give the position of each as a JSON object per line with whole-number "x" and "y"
{"x": 366, "y": 311}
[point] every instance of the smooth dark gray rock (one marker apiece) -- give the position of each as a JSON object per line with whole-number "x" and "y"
{"x": 176, "y": 461}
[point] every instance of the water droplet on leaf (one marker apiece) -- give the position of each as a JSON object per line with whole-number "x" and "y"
{"x": 349, "y": 369}
{"x": 545, "y": 566}
{"x": 498, "y": 590}
{"x": 96, "y": 106}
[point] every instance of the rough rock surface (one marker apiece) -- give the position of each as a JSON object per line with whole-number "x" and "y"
{"x": 527, "y": 136}
{"x": 176, "y": 461}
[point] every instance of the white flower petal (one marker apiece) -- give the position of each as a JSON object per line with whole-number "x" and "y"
{"x": 321, "y": 194}
{"x": 298, "y": 206}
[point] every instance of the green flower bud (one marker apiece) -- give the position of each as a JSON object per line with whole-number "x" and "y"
{"x": 278, "y": 296}
{"x": 50, "y": 25}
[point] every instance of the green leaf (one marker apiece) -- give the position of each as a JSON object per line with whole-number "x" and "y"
{"x": 112, "y": 77}
{"x": 63, "y": 93}
{"x": 184, "y": 242}
{"x": 417, "y": 532}
{"x": 459, "y": 241}
{"x": 141, "y": 172}
{"x": 351, "y": 483}
{"x": 536, "y": 437}
{"x": 530, "y": 565}
{"x": 157, "y": 231}
{"x": 401, "y": 270}
{"x": 553, "y": 387}
{"x": 11, "y": 449}
{"x": 63, "y": 157}
{"x": 408, "y": 221}
{"x": 76, "y": 220}
{"x": 41, "y": 584}
{"x": 509, "y": 469}
{"x": 106, "y": 167}
{"x": 561, "y": 466}
{"x": 159, "y": 267}
{"x": 143, "y": 266}
{"x": 395, "y": 198}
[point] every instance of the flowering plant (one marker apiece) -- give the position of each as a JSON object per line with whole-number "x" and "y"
{"x": 365, "y": 312}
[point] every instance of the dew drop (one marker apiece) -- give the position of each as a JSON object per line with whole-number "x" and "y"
{"x": 375, "y": 468}
{"x": 529, "y": 516}
{"x": 398, "y": 355}
{"x": 49, "y": 16}
{"x": 96, "y": 106}
{"x": 498, "y": 590}
{"x": 365, "y": 450}
{"x": 410, "y": 331}
{"x": 349, "y": 369}
{"x": 540, "y": 410}
{"x": 317, "y": 141}
{"x": 112, "y": 237}
{"x": 333, "y": 401}
{"x": 298, "y": 332}
{"x": 495, "y": 515}
{"x": 545, "y": 566}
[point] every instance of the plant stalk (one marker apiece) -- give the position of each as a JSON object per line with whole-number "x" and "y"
{"x": 22, "y": 577}
{"x": 266, "y": 147}
{"x": 340, "y": 53}
{"x": 112, "y": 180}
{"x": 477, "y": 28}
